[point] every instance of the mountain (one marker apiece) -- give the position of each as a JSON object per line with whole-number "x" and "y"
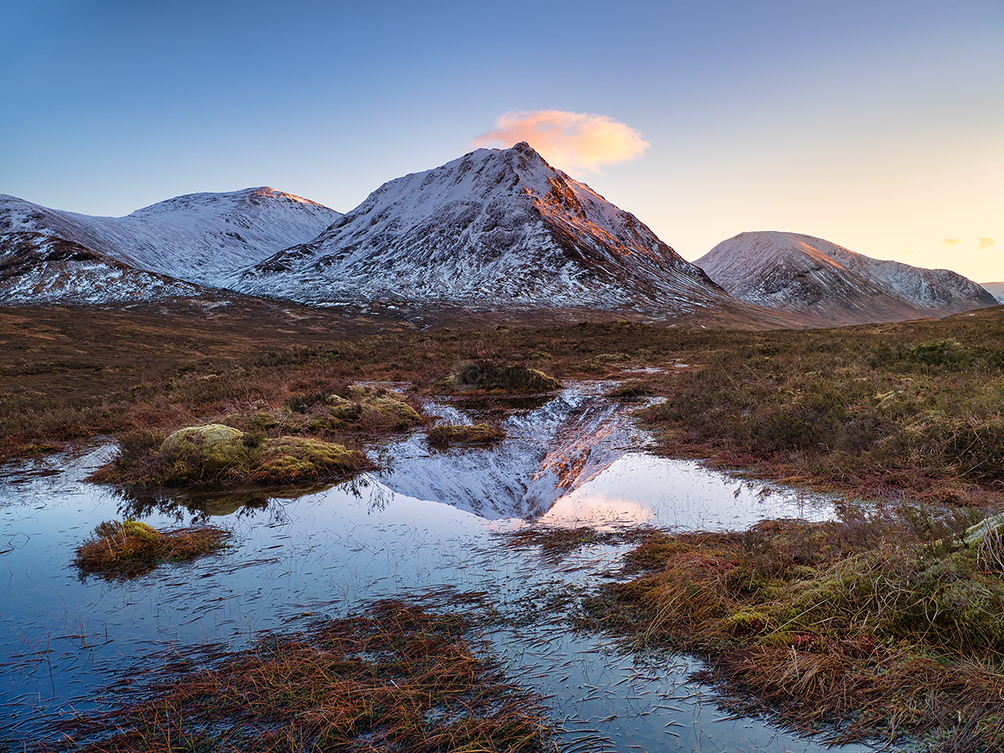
{"x": 801, "y": 274}
{"x": 996, "y": 289}
{"x": 198, "y": 238}
{"x": 37, "y": 268}
{"x": 496, "y": 229}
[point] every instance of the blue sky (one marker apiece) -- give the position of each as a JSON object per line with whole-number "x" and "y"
{"x": 878, "y": 125}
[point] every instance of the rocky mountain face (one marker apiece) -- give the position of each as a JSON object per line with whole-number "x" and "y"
{"x": 996, "y": 289}
{"x": 495, "y": 229}
{"x": 801, "y": 274}
{"x": 164, "y": 250}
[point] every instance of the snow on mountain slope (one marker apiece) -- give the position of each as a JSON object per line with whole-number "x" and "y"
{"x": 36, "y": 268}
{"x": 996, "y": 289}
{"x": 800, "y": 273}
{"x": 200, "y": 238}
{"x": 496, "y": 228}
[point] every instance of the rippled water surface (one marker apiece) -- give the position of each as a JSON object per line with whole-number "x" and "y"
{"x": 429, "y": 521}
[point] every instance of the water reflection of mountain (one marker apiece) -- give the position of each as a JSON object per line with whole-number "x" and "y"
{"x": 552, "y": 450}
{"x": 554, "y": 446}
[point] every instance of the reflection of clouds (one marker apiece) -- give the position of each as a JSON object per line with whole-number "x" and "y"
{"x": 596, "y": 510}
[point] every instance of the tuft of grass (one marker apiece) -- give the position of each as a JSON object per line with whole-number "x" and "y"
{"x": 130, "y": 548}
{"x": 556, "y": 543}
{"x": 350, "y": 408}
{"x": 219, "y": 455}
{"x": 397, "y": 678}
{"x": 879, "y": 626}
{"x": 445, "y": 435}
{"x": 631, "y": 389}
{"x": 494, "y": 376}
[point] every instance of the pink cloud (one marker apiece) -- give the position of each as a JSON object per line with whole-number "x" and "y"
{"x": 569, "y": 140}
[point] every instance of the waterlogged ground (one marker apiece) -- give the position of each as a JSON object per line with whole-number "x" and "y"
{"x": 428, "y": 524}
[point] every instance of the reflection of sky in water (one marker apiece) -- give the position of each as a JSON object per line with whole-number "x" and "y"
{"x": 327, "y": 551}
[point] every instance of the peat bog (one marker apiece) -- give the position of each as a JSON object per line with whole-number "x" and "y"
{"x": 869, "y": 614}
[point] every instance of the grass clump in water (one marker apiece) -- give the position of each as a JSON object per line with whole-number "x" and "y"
{"x": 555, "y": 543}
{"x": 217, "y": 455}
{"x": 493, "y": 376}
{"x": 887, "y": 626}
{"x": 631, "y": 389}
{"x": 445, "y": 435}
{"x": 397, "y": 678}
{"x": 127, "y": 549}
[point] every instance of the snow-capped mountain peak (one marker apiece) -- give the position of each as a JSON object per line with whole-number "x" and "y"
{"x": 197, "y": 238}
{"x": 494, "y": 228}
{"x": 800, "y": 273}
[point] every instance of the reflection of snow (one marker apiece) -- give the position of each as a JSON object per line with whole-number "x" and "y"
{"x": 576, "y": 461}
{"x": 551, "y": 451}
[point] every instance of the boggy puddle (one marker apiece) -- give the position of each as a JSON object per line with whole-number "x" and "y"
{"x": 426, "y": 524}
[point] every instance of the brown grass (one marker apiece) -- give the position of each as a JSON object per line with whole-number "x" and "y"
{"x": 881, "y": 410}
{"x": 485, "y": 375}
{"x": 557, "y": 543}
{"x": 399, "y": 678}
{"x": 886, "y": 625}
{"x": 445, "y": 435}
{"x": 122, "y": 550}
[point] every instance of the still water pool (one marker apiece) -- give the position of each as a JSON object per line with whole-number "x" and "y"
{"x": 429, "y": 522}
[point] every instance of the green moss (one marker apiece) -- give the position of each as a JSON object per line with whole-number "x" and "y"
{"x": 140, "y": 530}
{"x": 354, "y": 409}
{"x": 745, "y": 622}
{"x": 299, "y": 458}
{"x": 218, "y": 455}
{"x": 203, "y": 451}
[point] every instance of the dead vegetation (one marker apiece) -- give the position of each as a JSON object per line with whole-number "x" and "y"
{"x": 882, "y": 625}
{"x": 444, "y": 435}
{"x": 555, "y": 543}
{"x": 892, "y": 410}
{"x": 397, "y": 678}
{"x": 498, "y": 377}
{"x": 630, "y": 389}
{"x": 130, "y": 548}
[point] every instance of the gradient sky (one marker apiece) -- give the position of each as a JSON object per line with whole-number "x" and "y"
{"x": 875, "y": 124}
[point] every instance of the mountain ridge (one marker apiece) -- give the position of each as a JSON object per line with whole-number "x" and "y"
{"x": 196, "y": 240}
{"x": 493, "y": 228}
{"x": 800, "y": 273}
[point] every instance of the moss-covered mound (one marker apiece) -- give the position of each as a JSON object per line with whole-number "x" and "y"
{"x": 219, "y": 455}
{"x": 445, "y": 435}
{"x": 344, "y": 410}
{"x": 490, "y": 376}
{"x": 371, "y": 409}
{"x": 129, "y": 548}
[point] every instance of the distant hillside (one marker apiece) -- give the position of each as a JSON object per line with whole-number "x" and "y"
{"x": 164, "y": 250}
{"x": 996, "y": 289}
{"x": 798, "y": 273}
